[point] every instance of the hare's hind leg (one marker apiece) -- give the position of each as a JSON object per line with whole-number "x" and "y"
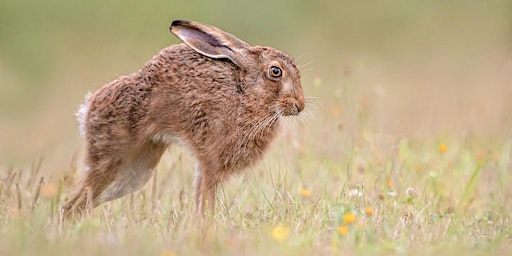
{"x": 94, "y": 182}
{"x": 135, "y": 171}
{"x": 111, "y": 179}
{"x": 97, "y": 178}
{"x": 77, "y": 202}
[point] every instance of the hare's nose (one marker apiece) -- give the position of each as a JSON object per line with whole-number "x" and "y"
{"x": 299, "y": 105}
{"x": 297, "y": 108}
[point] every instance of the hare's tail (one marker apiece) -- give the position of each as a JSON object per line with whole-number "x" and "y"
{"x": 81, "y": 114}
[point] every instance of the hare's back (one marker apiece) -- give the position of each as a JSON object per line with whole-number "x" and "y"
{"x": 182, "y": 63}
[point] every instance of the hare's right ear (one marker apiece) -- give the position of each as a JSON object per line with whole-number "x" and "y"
{"x": 211, "y": 41}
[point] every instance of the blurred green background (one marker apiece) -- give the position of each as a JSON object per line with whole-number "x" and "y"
{"x": 405, "y": 67}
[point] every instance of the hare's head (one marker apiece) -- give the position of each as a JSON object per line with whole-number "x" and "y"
{"x": 266, "y": 74}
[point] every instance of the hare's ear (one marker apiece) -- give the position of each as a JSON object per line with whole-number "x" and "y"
{"x": 211, "y": 41}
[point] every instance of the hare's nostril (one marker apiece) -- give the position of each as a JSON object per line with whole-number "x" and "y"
{"x": 296, "y": 108}
{"x": 299, "y": 106}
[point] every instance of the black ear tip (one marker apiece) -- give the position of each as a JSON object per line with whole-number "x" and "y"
{"x": 174, "y": 24}
{"x": 179, "y": 22}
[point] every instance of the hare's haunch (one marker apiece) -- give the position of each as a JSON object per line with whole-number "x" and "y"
{"x": 215, "y": 94}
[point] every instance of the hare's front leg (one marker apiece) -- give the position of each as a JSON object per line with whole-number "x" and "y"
{"x": 205, "y": 189}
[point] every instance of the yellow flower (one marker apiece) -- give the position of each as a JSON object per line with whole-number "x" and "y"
{"x": 368, "y": 211}
{"x": 349, "y": 218}
{"x": 305, "y": 192}
{"x": 343, "y": 230}
{"x": 389, "y": 182}
{"x": 280, "y": 233}
{"x": 442, "y": 148}
{"x": 48, "y": 190}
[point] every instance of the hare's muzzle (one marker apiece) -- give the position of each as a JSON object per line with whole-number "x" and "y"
{"x": 294, "y": 106}
{"x": 298, "y": 108}
{"x": 293, "y": 110}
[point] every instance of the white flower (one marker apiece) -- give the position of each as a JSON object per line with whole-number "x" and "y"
{"x": 392, "y": 193}
{"x": 354, "y": 193}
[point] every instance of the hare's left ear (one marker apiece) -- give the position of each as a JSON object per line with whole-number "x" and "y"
{"x": 211, "y": 41}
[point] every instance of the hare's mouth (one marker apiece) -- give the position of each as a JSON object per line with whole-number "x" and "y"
{"x": 292, "y": 112}
{"x": 292, "y": 109}
{"x": 287, "y": 108}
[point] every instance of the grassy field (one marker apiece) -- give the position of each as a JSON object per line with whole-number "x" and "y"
{"x": 405, "y": 146}
{"x": 377, "y": 196}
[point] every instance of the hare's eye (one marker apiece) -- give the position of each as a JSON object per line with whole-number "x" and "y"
{"x": 275, "y": 72}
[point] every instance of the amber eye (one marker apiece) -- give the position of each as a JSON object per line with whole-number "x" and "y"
{"x": 275, "y": 72}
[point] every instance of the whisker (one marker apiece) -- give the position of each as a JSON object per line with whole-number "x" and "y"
{"x": 306, "y": 118}
{"x": 248, "y": 136}
{"x": 311, "y": 103}
{"x": 306, "y": 64}
{"x": 274, "y": 117}
{"x": 306, "y": 69}
{"x": 259, "y": 127}
{"x": 311, "y": 106}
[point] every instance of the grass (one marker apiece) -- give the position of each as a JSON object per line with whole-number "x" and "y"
{"x": 380, "y": 196}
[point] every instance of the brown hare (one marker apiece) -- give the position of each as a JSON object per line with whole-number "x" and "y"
{"x": 215, "y": 94}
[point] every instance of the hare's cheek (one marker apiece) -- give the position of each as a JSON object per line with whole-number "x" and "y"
{"x": 287, "y": 88}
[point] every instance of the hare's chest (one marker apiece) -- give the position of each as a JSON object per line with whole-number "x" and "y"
{"x": 247, "y": 148}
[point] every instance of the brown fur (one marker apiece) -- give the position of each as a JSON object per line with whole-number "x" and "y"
{"x": 214, "y": 94}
